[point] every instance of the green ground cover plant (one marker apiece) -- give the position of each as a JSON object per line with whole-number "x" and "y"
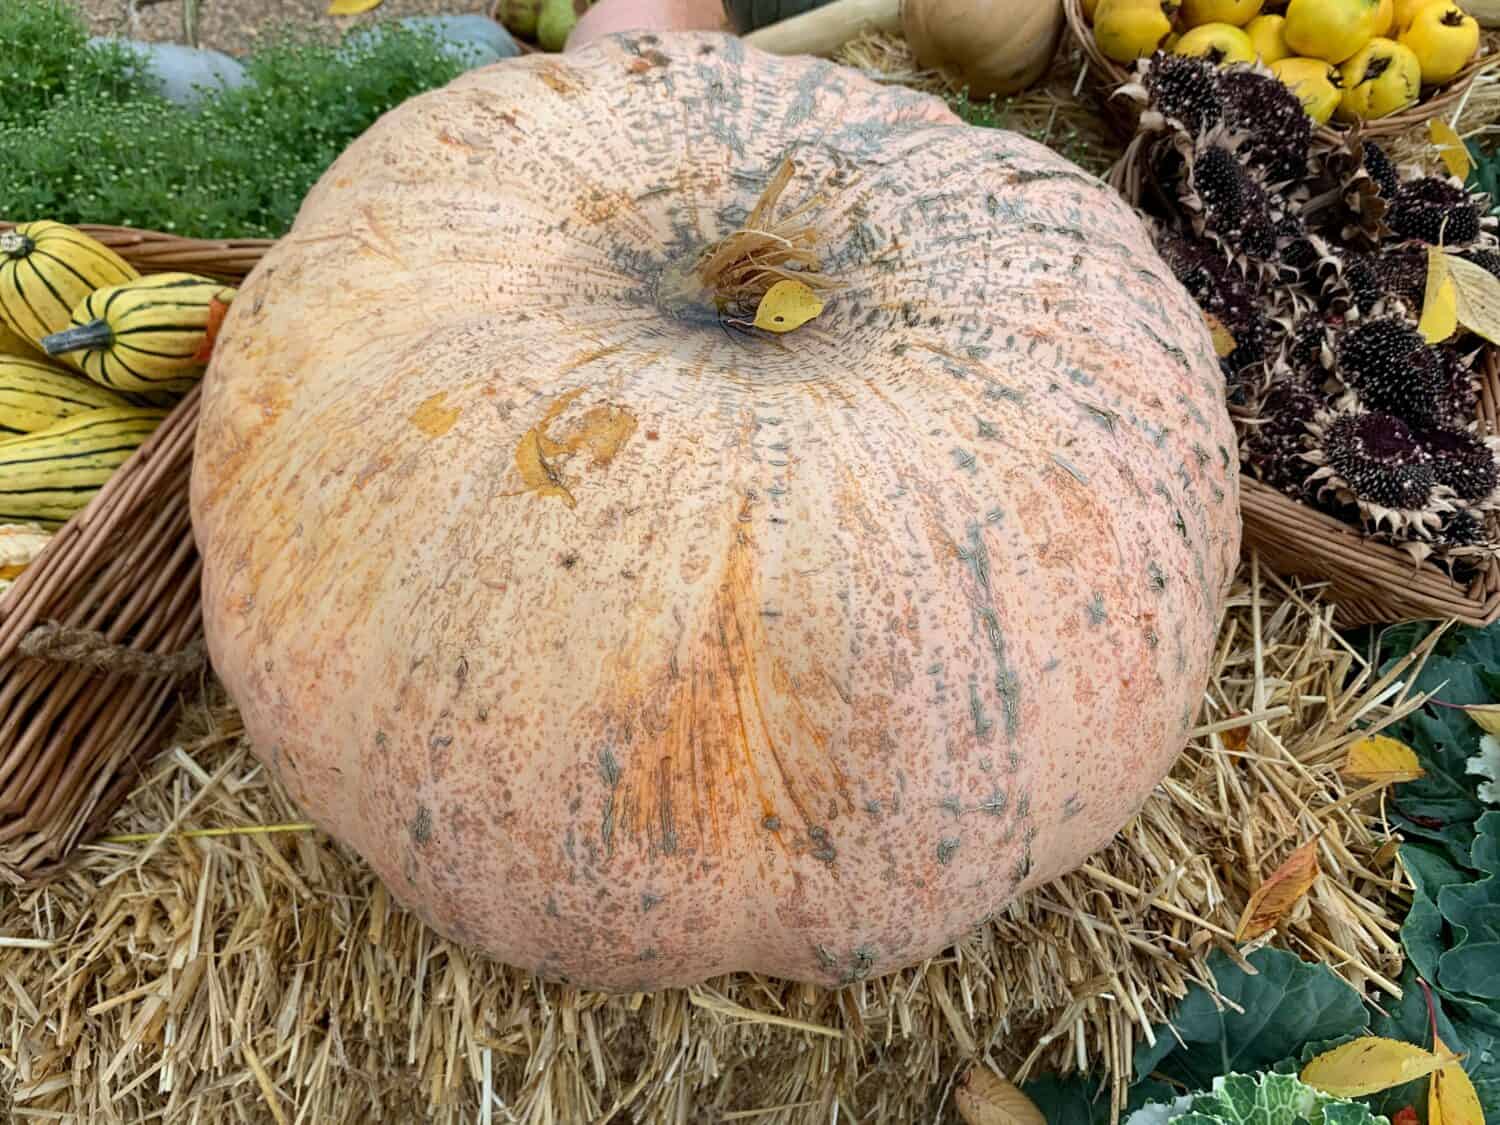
{"x": 83, "y": 140}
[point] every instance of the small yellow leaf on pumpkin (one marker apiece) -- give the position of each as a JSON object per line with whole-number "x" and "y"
{"x": 984, "y": 1098}
{"x": 351, "y": 7}
{"x": 1383, "y": 759}
{"x": 1369, "y": 1065}
{"x": 1451, "y": 1097}
{"x": 1279, "y": 893}
{"x": 1478, "y": 297}
{"x": 1224, "y": 341}
{"x": 1440, "y": 301}
{"x": 1451, "y": 147}
{"x": 787, "y": 305}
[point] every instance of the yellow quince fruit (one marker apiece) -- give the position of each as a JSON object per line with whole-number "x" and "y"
{"x": 1268, "y": 37}
{"x": 1316, "y": 83}
{"x": 1406, "y": 11}
{"x": 1126, "y": 30}
{"x": 1218, "y": 43}
{"x": 1384, "y": 77}
{"x": 1195, "y": 13}
{"x": 1444, "y": 38}
{"x": 1330, "y": 29}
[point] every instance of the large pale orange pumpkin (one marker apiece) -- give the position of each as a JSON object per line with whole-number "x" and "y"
{"x": 633, "y": 646}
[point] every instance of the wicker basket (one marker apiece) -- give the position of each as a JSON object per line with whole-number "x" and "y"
{"x": 1122, "y": 112}
{"x": 88, "y": 697}
{"x": 1369, "y": 582}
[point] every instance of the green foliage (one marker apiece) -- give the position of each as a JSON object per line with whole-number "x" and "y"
{"x": 46, "y": 59}
{"x": 1287, "y": 1003}
{"x": 1486, "y": 174}
{"x": 1451, "y": 934}
{"x": 94, "y": 147}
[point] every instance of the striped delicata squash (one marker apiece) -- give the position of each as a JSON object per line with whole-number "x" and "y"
{"x": 46, "y": 269}
{"x": 35, "y": 395}
{"x": 48, "y": 476}
{"x": 153, "y": 333}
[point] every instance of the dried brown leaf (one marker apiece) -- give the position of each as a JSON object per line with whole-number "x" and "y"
{"x": 1280, "y": 892}
{"x": 984, "y": 1098}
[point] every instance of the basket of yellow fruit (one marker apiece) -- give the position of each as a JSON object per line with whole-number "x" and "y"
{"x": 1381, "y": 65}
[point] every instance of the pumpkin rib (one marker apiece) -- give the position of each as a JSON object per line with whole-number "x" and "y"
{"x": 828, "y": 643}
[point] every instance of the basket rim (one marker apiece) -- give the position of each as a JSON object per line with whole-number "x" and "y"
{"x": 1451, "y": 94}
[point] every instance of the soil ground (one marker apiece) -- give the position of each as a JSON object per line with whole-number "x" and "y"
{"x": 236, "y": 25}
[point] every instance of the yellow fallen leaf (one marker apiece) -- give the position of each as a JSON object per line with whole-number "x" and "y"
{"x": 984, "y": 1098}
{"x": 1440, "y": 301}
{"x": 1224, "y": 341}
{"x": 1451, "y": 148}
{"x": 1279, "y": 893}
{"x": 1487, "y": 715}
{"x": 1369, "y": 1065}
{"x": 1379, "y": 758}
{"x": 351, "y": 7}
{"x": 1451, "y": 1097}
{"x": 1478, "y": 297}
{"x": 787, "y": 305}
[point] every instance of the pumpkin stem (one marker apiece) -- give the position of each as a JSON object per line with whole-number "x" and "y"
{"x": 14, "y": 244}
{"x": 95, "y": 334}
{"x": 730, "y": 276}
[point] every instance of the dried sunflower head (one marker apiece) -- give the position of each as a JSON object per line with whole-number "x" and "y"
{"x": 1177, "y": 92}
{"x": 1230, "y": 203}
{"x": 1278, "y": 130}
{"x": 1438, "y": 210}
{"x": 1391, "y": 368}
{"x": 1231, "y": 298}
{"x": 1375, "y": 462}
{"x": 1275, "y": 437}
{"x": 1465, "y": 463}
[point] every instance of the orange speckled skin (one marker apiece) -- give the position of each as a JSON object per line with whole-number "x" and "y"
{"x": 631, "y": 648}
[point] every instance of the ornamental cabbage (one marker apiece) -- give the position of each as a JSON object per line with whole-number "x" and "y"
{"x": 1256, "y": 1099}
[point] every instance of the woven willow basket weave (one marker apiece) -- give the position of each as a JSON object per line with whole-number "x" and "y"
{"x": 78, "y": 721}
{"x": 1122, "y": 112}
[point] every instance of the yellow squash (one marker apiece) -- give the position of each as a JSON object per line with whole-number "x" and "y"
{"x": 1381, "y": 79}
{"x": 1385, "y": 19}
{"x": 12, "y": 342}
{"x": 49, "y": 476}
{"x": 1444, "y": 38}
{"x": 35, "y": 395}
{"x": 46, "y": 268}
{"x": 151, "y": 334}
